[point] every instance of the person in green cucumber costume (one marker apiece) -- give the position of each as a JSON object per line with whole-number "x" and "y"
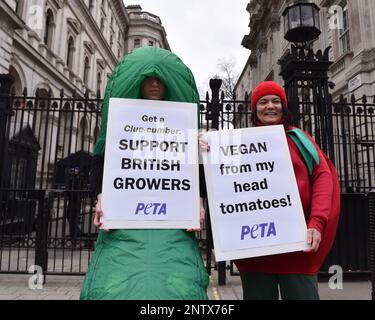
{"x": 145, "y": 264}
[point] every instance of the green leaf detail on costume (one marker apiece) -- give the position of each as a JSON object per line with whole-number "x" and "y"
{"x": 305, "y": 147}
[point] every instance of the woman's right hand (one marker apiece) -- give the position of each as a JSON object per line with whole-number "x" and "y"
{"x": 99, "y": 213}
{"x": 203, "y": 144}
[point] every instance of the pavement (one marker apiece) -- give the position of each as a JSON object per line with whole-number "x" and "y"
{"x": 22, "y": 287}
{"x": 348, "y": 290}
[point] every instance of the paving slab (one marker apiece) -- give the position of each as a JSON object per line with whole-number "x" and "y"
{"x": 16, "y": 287}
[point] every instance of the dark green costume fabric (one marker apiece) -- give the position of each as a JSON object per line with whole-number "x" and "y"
{"x": 146, "y": 264}
{"x": 129, "y": 74}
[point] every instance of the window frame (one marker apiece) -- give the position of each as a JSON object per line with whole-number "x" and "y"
{"x": 70, "y": 52}
{"x": 344, "y": 33}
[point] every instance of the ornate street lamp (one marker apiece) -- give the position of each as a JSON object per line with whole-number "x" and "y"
{"x": 305, "y": 74}
{"x": 301, "y": 22}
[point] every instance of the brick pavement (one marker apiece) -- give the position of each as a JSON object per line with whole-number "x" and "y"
{"x": 16, "y": 287}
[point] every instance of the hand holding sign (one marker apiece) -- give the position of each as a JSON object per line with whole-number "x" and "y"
{"x": 203, "y": 144}
{"x": 314, "y": 238}
{"x": 99, "y": 213}
{"x": 202, "y": 217}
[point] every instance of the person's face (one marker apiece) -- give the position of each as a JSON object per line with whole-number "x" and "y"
{"x": 153, "y": 89}
{"x": 269, "y": 110}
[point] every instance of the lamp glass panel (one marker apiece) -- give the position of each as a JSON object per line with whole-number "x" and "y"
{"x": 317, "y": 18}
{"x": 307, "y": 16}
{"x": 294, "y": 17}
{"x": 286, "y": 23}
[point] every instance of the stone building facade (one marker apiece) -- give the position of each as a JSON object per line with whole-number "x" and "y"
{"x": 347, "y": 26}
{"x": 145, "y": 29}
{"x": 74, "y": 45}
{"x": 70, "y": 44}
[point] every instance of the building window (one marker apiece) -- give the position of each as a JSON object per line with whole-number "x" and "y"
{"x": 48, "y": 29}
{"x": 102, "y": 24}
{"x": 99, "y": 82}
{"x": 151, "y": 43}
{"x": 91, "y": 6}
{"x": 270, "y": 51}
{"x": 13, "y": 5}
{"x": 86, "y": 71}
{"x": 344, "y": 35}
{"x": 137, "y": 43}
{"x": 70, "y": 54}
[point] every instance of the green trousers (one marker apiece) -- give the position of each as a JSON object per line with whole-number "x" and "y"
{"x": 262, "y": 286}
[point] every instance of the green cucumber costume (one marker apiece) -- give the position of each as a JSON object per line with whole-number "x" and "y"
{"x": 146, "y": 264}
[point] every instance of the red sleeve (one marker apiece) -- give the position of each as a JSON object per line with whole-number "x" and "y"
{"x": 322, "y": 188}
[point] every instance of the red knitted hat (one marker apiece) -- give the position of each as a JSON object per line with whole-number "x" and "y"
{"x": 267, "y": 88}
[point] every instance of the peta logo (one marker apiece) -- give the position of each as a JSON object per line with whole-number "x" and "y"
{"x": 151, "y": 208}
{"x": 261, "y": 230}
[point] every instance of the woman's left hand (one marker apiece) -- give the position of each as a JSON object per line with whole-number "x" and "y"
{"x": 202, "y": 217}
{"x": 203, "y": 144}
{"x": 314, "y": 238}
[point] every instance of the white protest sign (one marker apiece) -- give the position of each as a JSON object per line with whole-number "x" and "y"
{"x": 255, "y": 207}
{"x": 150, "y": 169}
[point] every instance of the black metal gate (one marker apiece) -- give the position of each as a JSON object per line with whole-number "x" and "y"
{"x": 46, "y": 206}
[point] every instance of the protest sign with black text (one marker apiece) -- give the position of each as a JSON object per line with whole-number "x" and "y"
{"x": 150, "y": 170}
{"x": 255, "y": 207}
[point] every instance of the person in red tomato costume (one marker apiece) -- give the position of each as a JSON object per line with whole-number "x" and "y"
{"x": 295, "y": 274}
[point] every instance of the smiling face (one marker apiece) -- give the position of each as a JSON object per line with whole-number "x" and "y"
{"x": 153, "y": 89}
{"x": 269, "y": 110}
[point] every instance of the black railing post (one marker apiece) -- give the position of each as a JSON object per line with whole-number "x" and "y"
{"x": 214, "y": 107}
{"x": 209, "y": 241}
{"x": 303, "y": 70}
{"x": 342, "y": 106}
{"x": 371, "y": 217}
{"x": 222, "y": 269}
{"x": 221, "y": 266}
{"x": 41, "y": 241}
{"x": 6, "y": 82}
{"x": 330, "y": 138}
